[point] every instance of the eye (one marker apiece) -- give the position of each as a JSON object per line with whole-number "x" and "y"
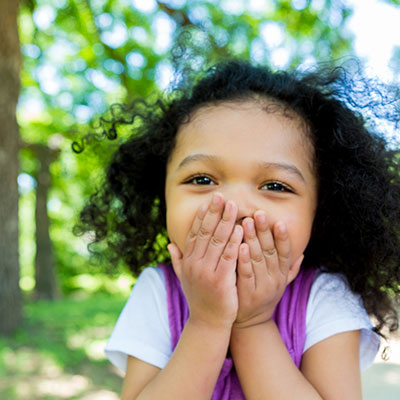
{"x": 200, "y": 180}
{"x": 276, "y": 187}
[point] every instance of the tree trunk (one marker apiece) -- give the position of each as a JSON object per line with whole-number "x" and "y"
{"x": 10, "y": 60}
{"x": 46, "y": 287}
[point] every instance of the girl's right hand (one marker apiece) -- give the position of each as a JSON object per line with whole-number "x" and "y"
{"x": 207, "y": 267}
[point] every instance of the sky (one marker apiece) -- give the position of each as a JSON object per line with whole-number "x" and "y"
{"x": 374, "y": 23}
{"x": 376, "y": 26}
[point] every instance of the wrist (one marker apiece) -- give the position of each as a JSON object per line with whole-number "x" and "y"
{"x": 220, "y": 327}
{"x": 240, "y": 334}
{"x": 252, "y": 322}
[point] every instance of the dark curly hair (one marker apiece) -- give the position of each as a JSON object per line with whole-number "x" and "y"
{"x": 356, "y": 230}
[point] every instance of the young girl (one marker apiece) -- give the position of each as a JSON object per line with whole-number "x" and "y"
{"x": 282, "y": 210}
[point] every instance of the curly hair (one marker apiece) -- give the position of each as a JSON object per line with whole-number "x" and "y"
{"x": 356, "y": 230}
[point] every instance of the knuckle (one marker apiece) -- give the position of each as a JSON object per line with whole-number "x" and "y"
{"x": 216, "y": 241}
{"x": 284, "y": 257}
{"x": 225, "y": 218}
{"x": 192, "y": 236}
{"x": 227, "y": 257}
{"x": 258, "y": 259}
{"x": 246, "y": 273}
{"x": 269, "y": 252}
{"x": 203, "y": 232}
{"x": 264, "y": 229}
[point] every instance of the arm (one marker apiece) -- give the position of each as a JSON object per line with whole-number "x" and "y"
{"x": 330, "y": 369}
{"x": 332, "y": 366}
{"x": 207, "y": 272}
{"x": 191, "y": 372}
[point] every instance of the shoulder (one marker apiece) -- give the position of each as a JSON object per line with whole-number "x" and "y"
{"x": 333, "y": 308}
{"x": 148, "y": 291}
{"x": 142, "y": 329}
{"x": 151, "y": 281}
{"x": 330, "y": 285}
{"x": 332, "y": 290}
{"x": 153, "y": 275}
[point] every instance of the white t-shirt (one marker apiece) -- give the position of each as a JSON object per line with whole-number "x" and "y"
{"x": 142, "y": 329}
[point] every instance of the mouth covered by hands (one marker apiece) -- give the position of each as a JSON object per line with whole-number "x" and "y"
{"x": 232, "y": 274}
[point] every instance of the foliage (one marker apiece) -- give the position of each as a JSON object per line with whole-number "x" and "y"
{"x": 81, "y": 56}
{"x": 395, "y": 2}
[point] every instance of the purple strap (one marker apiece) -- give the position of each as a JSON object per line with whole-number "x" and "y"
{"x": 289, "y": 315}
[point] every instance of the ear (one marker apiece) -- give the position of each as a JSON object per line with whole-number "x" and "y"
{"x": 294, "y": 269}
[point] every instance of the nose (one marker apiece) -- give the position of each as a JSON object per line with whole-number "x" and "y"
{"x": 244, "y": 211}
{"x": 244, "y": 200}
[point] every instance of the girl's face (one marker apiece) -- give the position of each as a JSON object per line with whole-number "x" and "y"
{"x": 258, "y": 159}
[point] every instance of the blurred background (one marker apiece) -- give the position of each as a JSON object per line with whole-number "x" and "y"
{"x": 62, "y": 64}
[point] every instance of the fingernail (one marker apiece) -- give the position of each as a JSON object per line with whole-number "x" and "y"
{"x": 282, "y": 227}
{"x": 215, "y": 199}
{"x": 238, "y": 229}
{"x": 249, "y": 224}
{"x": 262, "y": 218}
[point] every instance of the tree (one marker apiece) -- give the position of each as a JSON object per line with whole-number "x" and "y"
{"x": 46, "y": 285}
{"x": 10, "y": 297}
{"x": 81, "y": 56}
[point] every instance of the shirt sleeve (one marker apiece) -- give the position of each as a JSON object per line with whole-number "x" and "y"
{"x": 142, "y": 329}
{"x": 332, "y": 308}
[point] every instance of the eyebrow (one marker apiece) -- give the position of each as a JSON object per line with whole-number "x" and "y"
{"x": 290, "y": 168}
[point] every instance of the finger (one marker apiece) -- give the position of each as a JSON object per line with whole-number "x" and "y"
{"x": 266, "y": 240}
{"x": 208, "y": 225}
{"x": 222, "y": 234}
{"x": 282, "y": 245}
{"x": 197, "y": 221}
{"x": 176, "y": 259}
{"x": 255, "y": 250}
{"x": 245, "y": 273}
{"x": 229, "y": 257}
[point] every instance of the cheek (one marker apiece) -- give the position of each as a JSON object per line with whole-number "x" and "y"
{"x": 299, "y": 232}
{"x": 180, "y": 217}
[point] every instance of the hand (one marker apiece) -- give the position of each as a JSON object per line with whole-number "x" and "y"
{"x": 207, "y": 267}
{"x": 264, "y": 269}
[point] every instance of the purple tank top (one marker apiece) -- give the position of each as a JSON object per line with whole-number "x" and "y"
{"x": 289, "y": 315}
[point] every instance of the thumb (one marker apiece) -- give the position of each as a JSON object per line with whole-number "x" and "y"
{"x": 295, "y": 268}
{"x": 176, "y": 259}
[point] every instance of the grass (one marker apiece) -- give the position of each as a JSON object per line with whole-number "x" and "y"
{"x": 58, "y": 352}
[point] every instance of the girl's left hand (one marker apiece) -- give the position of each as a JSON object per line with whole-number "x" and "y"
{"x": 264, "y": 269}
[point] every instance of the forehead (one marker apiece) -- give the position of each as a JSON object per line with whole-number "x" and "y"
{"x": 254, "y": 127}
